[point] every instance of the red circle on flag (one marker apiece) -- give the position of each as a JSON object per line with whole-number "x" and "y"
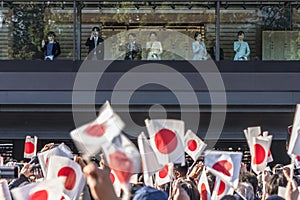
{"x": 269, "y": 153}
{"x": 96, "y": 130}
{"x": 29, "y": 147}
{"x": 223, "y": 166}
{"x": 165, "y": 141}
{"x": 221, "y": 188}
{"x": 298, "y": 158}
{"x": 203, "y": 192}
{"x": 70, "y": 175}
{"x": 112, "y": 178}
{"x": 259, "y": 154}
{"x": 164, "y": 172}
{"x": 47, "y": 161}
{"x": 122, "y": 166}
{"x": 42, "y": 194}
{"x": 192, "y": 145}
{"x": 62, "y": 198}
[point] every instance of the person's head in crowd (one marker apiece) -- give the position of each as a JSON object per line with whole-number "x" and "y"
{"x": 245, "y": 189}
{"x": 180, "y": 171}
{"x": 198, "y": 36}
{"x": 131, "y": 37}
{"x": 241, "y": 35}
{"x": 275, "y": 181}
{"x": 277, "y": 168}
{"x": 274, "y": 197}
{"x": 95, "y": 31}
{"x": 249, "y": 177}
{"x": 228, "y": 197}
{"x": 51, "y": 36}
{"x": 153, "y": 36}
{"x": 150, "y": 193}
{"x": 190, "y": 188}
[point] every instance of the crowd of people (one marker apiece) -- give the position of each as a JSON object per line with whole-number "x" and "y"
{"x": 184, "y": 186}
{"x": 154, "y": 49}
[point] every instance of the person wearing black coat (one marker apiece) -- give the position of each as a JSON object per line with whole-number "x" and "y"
{"x": 51, "y": 47}
{"x": 95, "y": 42}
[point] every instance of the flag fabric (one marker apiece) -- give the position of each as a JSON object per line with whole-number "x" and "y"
{"x": 149, "y": 160}
{"x": 30, "y": 146}
{"x": 116, "y": 183}
{"x": 296, "y": 160}
{"x": 90, "y": 137}
{"x": 294, "y": 144}
{"x": 60, "y": 150}
{"x": 166, "y": 139}
{"x": 251, "y": 132}
{"x": 194, "y": 146}
{"x": 22, "y": 192}
{"x": 203, "y": 186}
{"x": 123, "y": 157}
{"x": 74, "y": 178}
{"x": 165, "y": 175}
{"x": 4, "y": 191}
{"x": 221, "y": 189}
{"x": 225, "y": 165}
{"x": 259, "y": 156}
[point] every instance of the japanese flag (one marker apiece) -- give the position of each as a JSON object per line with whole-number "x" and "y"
{"x": 65, "y": 167}
{"x": 294, "y": 144}
{"x": 203, "y": 187}
{"x": 259, "y": 156}
{"x": 221, "y": 189}
{"x": 225, "y": 165}
{"x": 30, "y": 146}
{"x": 116, "y": 183}
{"x": 149, "y": 159}
{"x": 270, "y": 156}
{"x": 250, "y": 133}
{"x": 123, "y": 157}
{"x": 165, "y": 175}
{"x": 90, "y": 137}
{"x": 166, "y": 139}
{"x": 296, "y": 160}
{"x": 194, "y": 146}
{"x": 60, "y": 150}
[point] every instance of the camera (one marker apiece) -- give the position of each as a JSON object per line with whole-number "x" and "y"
{"x": 9, "y": 172}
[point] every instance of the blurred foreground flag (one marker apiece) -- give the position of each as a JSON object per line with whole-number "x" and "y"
{"x": 166, "y": 139}
{"x": 123, "y": 157}
{"x": 194, "y": 146}
{"x": 225, "y": 165}
{"x": 203, "y": 186}
{"x": 116, "y": 183}
{"x": 30, "y": 146}
{"x": 259, "y": 156}
{"x": 294, "y": 144}
{"x": 65, "y": 167}
{"x": 90, "y": 137}
{"x": 164, "y": 175}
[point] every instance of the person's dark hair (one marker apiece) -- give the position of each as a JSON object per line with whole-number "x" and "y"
{"x": 51, "y": 33}
{"x": 249, "y": 177}
{"x": 95, "y": 28}
{"x": 181, "y": 169}
{"x": 191, "y": 189}
{"x": 154, "y": 33}
{"x": 196, "y": 35}
{"x": 132, "y": 34}
{"x": 240, "y": 33}
{"x": 228, "y": 197}
{"x": 275, "y": 181}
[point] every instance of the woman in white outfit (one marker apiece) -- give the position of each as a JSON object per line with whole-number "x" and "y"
{"x": 199, "y": 48}
{"x": 153, "y": 48}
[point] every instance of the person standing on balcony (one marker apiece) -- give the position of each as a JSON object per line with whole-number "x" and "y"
{"x": 133, "y": 50}
{"x": 241, "y": 48}
{"x": 199, "y": 48}
{"x": 51, "y": 47}
{"x": 95, "y": 42}
{"x": 153, "y": 48}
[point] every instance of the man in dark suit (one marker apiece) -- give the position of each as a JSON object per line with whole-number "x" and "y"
{"x": 133, "y": 50}
{"x": 95, "y": 42}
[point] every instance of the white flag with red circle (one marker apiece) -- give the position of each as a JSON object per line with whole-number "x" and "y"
{"x": 165, "y": 175}
{"x": 123, "y": 157}
{"x": 150, "y": 163}
{"x": 194, "y": 146}
{"x": 225, "y": 165}
{"x": 251, "y": 132}
{"x": 221, "y": 189}
{"x": 60, "y": 150}
{"x": 30, "y": 146}
{"x": 259, "y": 156}
{"x": 203, "y": 186}
{"x": 116, "y": 183}
{"x": 90, "y": 137}
{"x": 74, "y": 178}
{"x": 294, "y": 144}
{"x": 166, "y": 139}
